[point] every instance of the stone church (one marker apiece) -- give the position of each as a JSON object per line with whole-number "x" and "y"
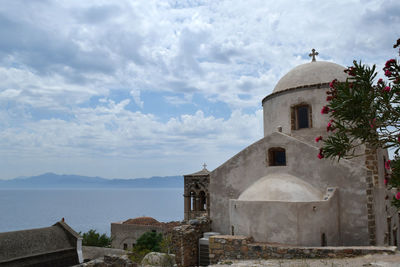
{"x": 277, "y": 190}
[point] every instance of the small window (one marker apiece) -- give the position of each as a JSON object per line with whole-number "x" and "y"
{"x": 125, "y": 246}
{"x": 154, "y": 231}
{"x": 301, "y": 117}
{"x": 277, "y": 156}
{"x": 324, "y": 242}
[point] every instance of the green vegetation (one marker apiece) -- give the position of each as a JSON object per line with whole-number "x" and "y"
{"x": 92, "y": 238}
{"x": 166, "y": 244}
{"x": 150, "y": 242}
{"x": 364, "y": 111}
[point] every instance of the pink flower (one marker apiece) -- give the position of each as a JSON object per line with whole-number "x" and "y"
{"x": 329, "y": 98}
{"x": 372, "y": 123}
{"x": 320, "y": 154}
{"x": 319, "y": 138}
{"x": 397, "y": 196}
{"x": 388, "y": 73}
{"x": 386, "y": 89}
{"x": 390, "y": 62}
{"x": 386, "y": 181}
{"x": 350, "y": 71}
{"x": 332, "y": 83}
{"x": 387, "y": 165}
{"x": 380, "y": 80}
{"x": 325, "y": 110}
{"x": 398, "y": 138}
{"x": 329, "y": 126}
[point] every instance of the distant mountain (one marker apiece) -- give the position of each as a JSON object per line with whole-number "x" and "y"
{"x": 52, "y": 180}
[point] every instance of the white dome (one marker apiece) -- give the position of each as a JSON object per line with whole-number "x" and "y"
{"x": 311, "y": 73}
{"x": 281, "y": 187}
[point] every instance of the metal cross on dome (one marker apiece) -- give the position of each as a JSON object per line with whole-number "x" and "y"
{"x": 204, "y": 166}
{"x": 313, "y": 54}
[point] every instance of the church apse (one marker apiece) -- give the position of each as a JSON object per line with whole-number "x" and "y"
{"x": 292, "y": 204}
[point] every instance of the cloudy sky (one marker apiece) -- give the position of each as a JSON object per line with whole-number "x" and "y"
{"x": 142, "y": 88}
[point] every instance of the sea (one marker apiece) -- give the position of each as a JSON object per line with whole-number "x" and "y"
{"x": 85, "y": 209}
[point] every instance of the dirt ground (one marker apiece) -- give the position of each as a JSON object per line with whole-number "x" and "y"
{"x": 376, "y": 260}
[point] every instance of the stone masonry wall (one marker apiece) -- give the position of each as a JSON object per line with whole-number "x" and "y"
{"x": 185, "y": 240}
{"x": 371, "y": 162}
{"x": 226, "y": 247}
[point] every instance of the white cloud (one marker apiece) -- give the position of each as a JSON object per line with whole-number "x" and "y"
{"x": 105, "y": 132}
{"x": 136, "y": 97}
{"x": 74, "y": 75}
{"x": 51, "y": 92}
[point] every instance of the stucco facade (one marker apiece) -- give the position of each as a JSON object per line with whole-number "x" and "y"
{"x": 125, "y": 234}
{"x": 277, "y": 190}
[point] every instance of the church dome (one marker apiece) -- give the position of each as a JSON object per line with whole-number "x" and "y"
{"x": 316, "y": 72}
{"x": 281, "y": 187}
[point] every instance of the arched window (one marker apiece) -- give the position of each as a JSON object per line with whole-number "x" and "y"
{"x": 301, "y": 116}
{"x": 276, "y": 156}
{"x": 203, "y": 201}
{"x": 193, "y": 201}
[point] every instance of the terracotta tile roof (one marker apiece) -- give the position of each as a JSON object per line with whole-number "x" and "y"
{"x": 142, "y": 221}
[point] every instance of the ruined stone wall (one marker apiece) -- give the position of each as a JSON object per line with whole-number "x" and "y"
{"x": 226, "y": 247}
{"x": 128, "y": 233}
{"x": 185, "y": 240}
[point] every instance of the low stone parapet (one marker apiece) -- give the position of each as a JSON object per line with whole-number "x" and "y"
{"x": 226, "y": 247}
{"x": 109, "y": 261}
{"x": 91, "y": 253}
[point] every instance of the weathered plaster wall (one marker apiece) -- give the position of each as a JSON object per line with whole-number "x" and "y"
{"x": 128, "y": 233}
{"x": 277, "y": 112}
{"x": 295, "y": 223}
{"x": 234, "y": 176}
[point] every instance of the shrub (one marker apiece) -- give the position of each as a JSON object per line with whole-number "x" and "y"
{"x": 150, "y": 241}
{"x": 146, "y": 243}
{"x": 92, "y": 238}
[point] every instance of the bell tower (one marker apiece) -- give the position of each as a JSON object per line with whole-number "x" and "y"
{"x": 196, "y": 195}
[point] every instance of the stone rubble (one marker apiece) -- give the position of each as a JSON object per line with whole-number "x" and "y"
{"x": 158, "y": 259}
